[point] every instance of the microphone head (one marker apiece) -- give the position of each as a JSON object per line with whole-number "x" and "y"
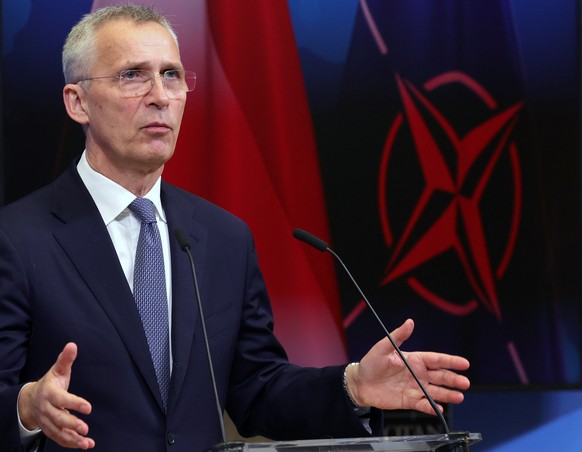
{"x": 310, "y": 239}
{"x": 182, "y": 239}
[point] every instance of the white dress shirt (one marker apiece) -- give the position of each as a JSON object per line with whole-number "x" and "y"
{"x": 112, "y": 201}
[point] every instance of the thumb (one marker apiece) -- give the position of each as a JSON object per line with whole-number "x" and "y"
{"x": 403, "y": 332}
{"x": 65, "y": 360}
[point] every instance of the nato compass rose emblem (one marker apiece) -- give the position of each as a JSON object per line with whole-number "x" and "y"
{"x": 444, "y": 217}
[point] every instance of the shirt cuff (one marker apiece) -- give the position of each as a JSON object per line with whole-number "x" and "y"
{"x": 26, "y": 436}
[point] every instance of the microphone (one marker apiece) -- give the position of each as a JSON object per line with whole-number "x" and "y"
{"x": 320, "y": 245}
{"x": 182, "y": 239}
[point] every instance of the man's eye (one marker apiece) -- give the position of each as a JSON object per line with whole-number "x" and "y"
{"x": 172, "y": 74}
{"x": 131, "y": 74}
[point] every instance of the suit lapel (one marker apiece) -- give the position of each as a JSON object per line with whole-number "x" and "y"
{"x": 180, "y": 215}
{"x": 86, "y": 241}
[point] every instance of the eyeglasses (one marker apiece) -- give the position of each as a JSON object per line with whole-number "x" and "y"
{"x": 139, "y": 82}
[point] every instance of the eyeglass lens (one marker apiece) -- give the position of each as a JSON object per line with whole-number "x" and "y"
{"x": 139, "y": 83}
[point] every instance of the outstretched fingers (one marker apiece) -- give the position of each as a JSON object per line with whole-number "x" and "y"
{"x": 442, "y": 370}
{"x": 47, "y": 404}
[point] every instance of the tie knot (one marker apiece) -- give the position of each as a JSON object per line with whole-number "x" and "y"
{"x": 144, "y": 209}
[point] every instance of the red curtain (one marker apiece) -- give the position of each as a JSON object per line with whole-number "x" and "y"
{"x": 247, "y": 144}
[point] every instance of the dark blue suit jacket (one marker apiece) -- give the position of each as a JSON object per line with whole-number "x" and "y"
{"x": 61, "y": 281}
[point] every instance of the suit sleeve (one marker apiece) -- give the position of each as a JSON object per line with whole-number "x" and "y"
{"x": 268, "y": 396}
{"x": 15, "y": 321}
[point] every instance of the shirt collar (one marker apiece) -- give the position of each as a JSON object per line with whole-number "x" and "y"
{"x": 110, "y": 197}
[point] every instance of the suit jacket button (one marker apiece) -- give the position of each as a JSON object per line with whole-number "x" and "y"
{"x": 171, "y": 438}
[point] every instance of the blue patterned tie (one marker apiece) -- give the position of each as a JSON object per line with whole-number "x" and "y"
{"x": 149, "y": 291}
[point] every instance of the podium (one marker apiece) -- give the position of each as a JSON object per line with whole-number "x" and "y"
{"x": 445, "y": 442}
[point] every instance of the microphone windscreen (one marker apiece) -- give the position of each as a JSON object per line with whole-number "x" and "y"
{"x": 310, "y": 239}
{"x": 182, "y": 239}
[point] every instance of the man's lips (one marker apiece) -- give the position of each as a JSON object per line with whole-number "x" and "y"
{"x": 157, "y": 127}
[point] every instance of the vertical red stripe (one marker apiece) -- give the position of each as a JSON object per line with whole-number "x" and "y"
{"x": 247, "y": 144}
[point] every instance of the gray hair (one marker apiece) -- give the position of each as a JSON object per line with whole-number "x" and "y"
{"x": 79, "y": 50}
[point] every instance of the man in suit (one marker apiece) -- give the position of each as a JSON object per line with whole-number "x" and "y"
{"x": 76, "y": 361}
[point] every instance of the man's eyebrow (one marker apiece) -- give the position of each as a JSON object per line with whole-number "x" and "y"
{"x": 146, "y": 65}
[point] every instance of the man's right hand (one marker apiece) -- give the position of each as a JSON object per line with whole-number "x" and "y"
{"x": 46, "y": 404}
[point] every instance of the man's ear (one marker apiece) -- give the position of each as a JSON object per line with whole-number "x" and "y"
{"x": 75, "y": 103}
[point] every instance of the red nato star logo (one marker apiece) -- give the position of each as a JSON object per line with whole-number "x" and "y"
{"x": 446, "y": 216}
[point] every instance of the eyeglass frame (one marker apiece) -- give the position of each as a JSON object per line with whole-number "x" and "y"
{"x": 119, "y": 76}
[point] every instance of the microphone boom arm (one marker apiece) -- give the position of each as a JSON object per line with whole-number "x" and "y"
{"x": 320, "y": 245}
{"x": 185, "y": 246}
